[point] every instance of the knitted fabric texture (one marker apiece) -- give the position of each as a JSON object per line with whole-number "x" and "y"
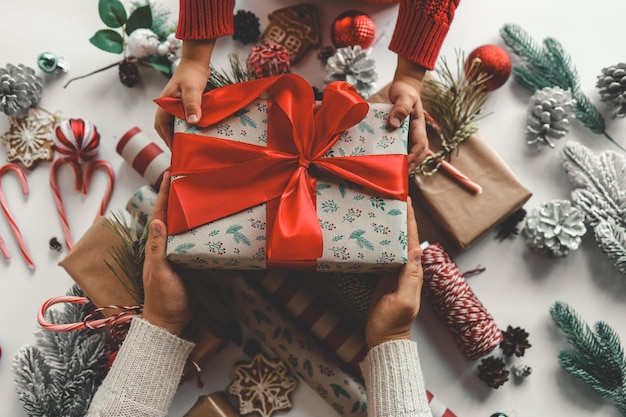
{"x": 394, "y": 381}
{"x": 421, "y": 27}
{"x": 145, "y": 374}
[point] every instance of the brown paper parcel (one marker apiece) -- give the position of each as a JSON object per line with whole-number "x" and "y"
{"x": 461, "y": 216}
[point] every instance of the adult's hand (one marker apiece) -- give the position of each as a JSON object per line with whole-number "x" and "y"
{"x": 188, "y": 82}
{"x": 166, "y": 303}
{"x": 396, "y": 301}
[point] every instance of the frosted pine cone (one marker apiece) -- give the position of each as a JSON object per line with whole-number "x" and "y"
{"x": 554, "y": 228}
{"x": 353, "y": 65}
{"x": 612, "y": 86}
{"x": 20, "y": 89}
{"x": 549, "y": 115}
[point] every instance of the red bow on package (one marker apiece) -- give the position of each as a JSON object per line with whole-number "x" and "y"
{"x": 220, "y": 177}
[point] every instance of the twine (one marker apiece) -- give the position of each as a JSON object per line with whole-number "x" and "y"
{"x": 454, "y": 303}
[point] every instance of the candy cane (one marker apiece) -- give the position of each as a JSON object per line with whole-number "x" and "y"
{"x": 58, "y": 200}
{"x": 91, "y": 167}
{"x": 449, "y": 168}
{"x": 124, "y": 316}
{"x": 5, "y": 207}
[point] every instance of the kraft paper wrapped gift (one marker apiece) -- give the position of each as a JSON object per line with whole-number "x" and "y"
{"x": 274, "y": 182}
{"x": 450, "y": 214}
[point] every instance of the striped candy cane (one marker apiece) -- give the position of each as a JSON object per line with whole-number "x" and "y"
{"x": 145, "y": 156}
{"x": 5, "y": 207}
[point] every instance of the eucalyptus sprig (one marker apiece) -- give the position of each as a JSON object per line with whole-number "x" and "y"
{"x": 597, "y": 358}
{"x": 120, "y": 25}
{"x": 455, "y": 102}
{"x": 548, "y": 65}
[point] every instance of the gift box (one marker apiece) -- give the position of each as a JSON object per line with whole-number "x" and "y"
{"x": 450, "y": 214}
{"x": 284, "y": 182}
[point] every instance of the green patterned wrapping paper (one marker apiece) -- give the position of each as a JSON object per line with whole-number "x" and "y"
{"x": 293, "y": 344}
{"x": 361, "y": 232}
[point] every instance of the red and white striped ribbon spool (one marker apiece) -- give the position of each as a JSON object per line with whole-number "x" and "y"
{"x": 145, "y": 156}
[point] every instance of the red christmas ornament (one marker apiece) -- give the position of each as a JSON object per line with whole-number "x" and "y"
{"x": 268, "y": 59}
{"x": 492, "y": 60}
{"x": 353, "y": 28}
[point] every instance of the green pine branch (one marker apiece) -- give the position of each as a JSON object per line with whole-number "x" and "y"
{"x": 597, "y": 358}
{"x": 548, "y": 65}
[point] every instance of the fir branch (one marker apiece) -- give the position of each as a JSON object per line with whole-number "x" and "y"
{"x": 60, "y": 374}
{"x": 455, "y": 102}
{"x": 598, "y": 359}
{"x": 130, "y": 256}
{"x": 550, "y": 66}
{"x": 237, "y": 74}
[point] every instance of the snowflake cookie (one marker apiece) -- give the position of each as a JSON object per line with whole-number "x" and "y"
{"x": 29, "y": 138}
{"x": 262, "y": 386}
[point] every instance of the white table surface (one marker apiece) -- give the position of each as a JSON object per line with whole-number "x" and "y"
{"x": 518, "y": 287}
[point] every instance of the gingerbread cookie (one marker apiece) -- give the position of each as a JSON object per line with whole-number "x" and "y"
{"x": 262, "y": 386}
{"x": 297, "y": 28}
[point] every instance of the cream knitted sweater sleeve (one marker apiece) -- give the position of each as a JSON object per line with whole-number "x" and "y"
{"x": 145, "y": 374}
{"x": 394, "y": 381}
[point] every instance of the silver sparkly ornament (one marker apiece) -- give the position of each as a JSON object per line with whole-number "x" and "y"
{"x": 554, "y": 228}
{"x": 353, "y": 65}
{"x": 20, "y": 89}
{"x": 549, "y": 114}
{"x": 612, "y": 87}
{"x": 522, "y": 371}
{"x": 51, "y": 63}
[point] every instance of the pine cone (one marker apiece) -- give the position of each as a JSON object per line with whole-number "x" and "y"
{"x": 353, "y": 65}
{"x": 492, "y": 371}
{"x": 515, "y": 341}
{"x": 549, "y": 114}
{"x": 247, "y": 27}
{"x": 129, "y": 73}
{"x": 20, "y": 89}
{"x": 612, "y": 86}
{"x": 554, "y": 228}
{"x": 325, "y": 52}
{"x": 522, "y": 371}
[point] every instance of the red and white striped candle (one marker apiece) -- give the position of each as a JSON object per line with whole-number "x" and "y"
{"x": 144, "y": 155}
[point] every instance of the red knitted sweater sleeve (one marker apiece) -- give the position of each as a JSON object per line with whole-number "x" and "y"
{"x": 205, "y": 19}
{"x": 421, "y": 28}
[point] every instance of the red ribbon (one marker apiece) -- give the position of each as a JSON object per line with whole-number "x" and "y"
{"x": 223, "y": 177}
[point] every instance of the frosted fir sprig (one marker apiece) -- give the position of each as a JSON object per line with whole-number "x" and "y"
{"x": 548, "y": 65}
{"x": 597, "y": 357}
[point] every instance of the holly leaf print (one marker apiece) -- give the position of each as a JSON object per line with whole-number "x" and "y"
{"x": 183, "y": 248}
{"x": 245, "y": 119}
{"x": 306, "y": 365}
{"x": 338, "y": 390}
{"x": 365, "y": 128}
{"x": 395, "y": 212}
{"x": 261, "y": 317}
{"x": 238, "y": 237}
{"x": 361, "y": 241}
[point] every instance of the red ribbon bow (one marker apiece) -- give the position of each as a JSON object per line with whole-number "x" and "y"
{"x": 223, "y": 177}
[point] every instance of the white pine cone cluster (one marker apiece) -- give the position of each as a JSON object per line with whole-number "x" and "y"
{"x": 353, "y": 65}
{"x": 549, "y": 114}
{"x": 554, "y": 228}
{"x": 612, "y": 86}
{"x": 20, "y": 89}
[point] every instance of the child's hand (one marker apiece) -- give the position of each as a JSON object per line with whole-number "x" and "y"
{"x": 404, "y": 93}
{"x": 188, "y": 82}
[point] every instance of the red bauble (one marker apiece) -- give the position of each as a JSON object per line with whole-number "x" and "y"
{"x": 492, "y": 60}
{"x": 268, "y": 59}
{"x": 353, "y": 28}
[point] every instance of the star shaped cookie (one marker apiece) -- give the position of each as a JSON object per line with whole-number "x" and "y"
{"x": 29, "y": 138}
